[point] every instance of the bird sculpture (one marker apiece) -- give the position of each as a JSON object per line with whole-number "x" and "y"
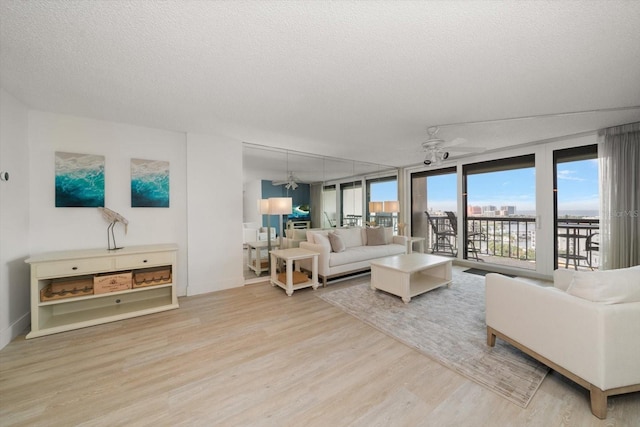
{"x": 113, "y": 218}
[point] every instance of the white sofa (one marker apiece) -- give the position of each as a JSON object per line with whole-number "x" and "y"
{"x": 295, "y": 236}
{"x": 586, "y": 327}
{"x": 360, "y": 246}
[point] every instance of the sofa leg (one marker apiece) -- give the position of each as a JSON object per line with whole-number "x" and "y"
{"x": 491, "y": 337}
{"x": 598, "y": 402}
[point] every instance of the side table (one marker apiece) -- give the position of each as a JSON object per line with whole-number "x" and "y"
{"x": 254, "y": 255}
{"x": 289, "y": 256}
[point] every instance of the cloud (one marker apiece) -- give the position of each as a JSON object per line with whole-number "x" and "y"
{"x": 568, "y": 175}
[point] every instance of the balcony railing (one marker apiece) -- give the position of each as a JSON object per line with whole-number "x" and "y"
{"x": 577, "y": 243}
{"x": 512, "y": 241}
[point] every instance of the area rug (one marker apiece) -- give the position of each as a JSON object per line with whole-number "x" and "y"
{"x": 448, "y": 325}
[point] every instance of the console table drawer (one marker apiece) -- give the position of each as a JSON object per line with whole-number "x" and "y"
{"x": 144, "y": 260}
{"x": 72, "y": 268}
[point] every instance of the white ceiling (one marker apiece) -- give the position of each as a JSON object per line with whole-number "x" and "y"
{"x": 356, "y": 80}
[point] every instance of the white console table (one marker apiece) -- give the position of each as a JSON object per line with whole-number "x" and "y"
{"x": 50, "y": 317}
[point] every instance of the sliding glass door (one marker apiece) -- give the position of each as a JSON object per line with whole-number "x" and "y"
{"x": 577, "y": 207}
{"x": 433, "y": 194}
{"x": 500, "y": 211}
{"x": 351, "y": 204}
{"x": 380, "y": 192}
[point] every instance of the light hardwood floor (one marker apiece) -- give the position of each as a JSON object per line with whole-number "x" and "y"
{"x": 252, "y": 356}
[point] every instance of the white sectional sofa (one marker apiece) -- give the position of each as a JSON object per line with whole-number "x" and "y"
{"x": 347, "y": 250}
{"x": 295, "y": 236}
{"x": 586, "y": 327}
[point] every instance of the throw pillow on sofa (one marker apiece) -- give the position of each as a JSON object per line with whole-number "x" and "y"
{"x": 351, "y": 237}
{"x": 562, "y": 278}
{"x": 376, "y": 236}
{"x": 337, "y": 245}
{"x": 608, "y": 287}
{"x": 322, "y": 239}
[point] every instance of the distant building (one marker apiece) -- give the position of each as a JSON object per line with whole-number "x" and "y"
{"x": 510, "y": 210}
{"x": 490, "y": 210}
{"x": 474, "y": 210}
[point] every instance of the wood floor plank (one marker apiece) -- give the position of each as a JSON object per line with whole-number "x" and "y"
{"x": 254, "y": 356}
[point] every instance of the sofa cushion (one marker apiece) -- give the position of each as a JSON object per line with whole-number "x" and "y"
{"x": 376, "y": 236}
{"x": 322, "y": 239}
{"x": 350, "y": 236}
{"x": 562, "y": 278}
{"x": 299, "y": 234}
{"x": 312, "y": 232}
{"x": 364, "y": 253}
{"x": 608, "y": 287}
{"x": 337, "y": 245}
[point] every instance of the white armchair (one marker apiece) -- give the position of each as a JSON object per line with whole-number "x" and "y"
{"x": 586, "y": 327}
{"x": 262, "y": 234}
{"x": 250, "y": 232}
{"x": 253, "y": 232}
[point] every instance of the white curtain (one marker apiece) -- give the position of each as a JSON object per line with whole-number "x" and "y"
{"x": 619, "y": 156}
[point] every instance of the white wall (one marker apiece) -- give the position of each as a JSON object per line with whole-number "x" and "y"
{"x": 53, "y": 229}
{"x": 14, "y": 218}
{"x": 214, "y": 177}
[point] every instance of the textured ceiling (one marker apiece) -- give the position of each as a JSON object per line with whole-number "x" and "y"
{"x": 352, "y": 80}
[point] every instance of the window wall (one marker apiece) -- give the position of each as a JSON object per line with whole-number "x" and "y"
{"x": 499, "y": 200}
{"x": 434, "y": 192}
{"x": 576, "y": 208}
{"x": 381, "y": 191}
{"x": 330, "y": 207}
{"x": 351, "y": 204}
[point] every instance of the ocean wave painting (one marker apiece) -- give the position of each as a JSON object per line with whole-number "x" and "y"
{"x": 79, "y": 180}
{"x": 149, "y": 184}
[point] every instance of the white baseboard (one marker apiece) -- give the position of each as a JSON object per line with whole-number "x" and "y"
{"x": 15, "y": 329}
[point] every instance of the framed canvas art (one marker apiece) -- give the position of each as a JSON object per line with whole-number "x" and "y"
{"x": 149, "y": 183}
{"x": 79, "y": 180}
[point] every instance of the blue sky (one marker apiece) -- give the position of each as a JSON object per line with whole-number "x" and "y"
{"x": 578, "y": 185}
{"x": 577, "y": 188}
{"x": 384, "y": 191}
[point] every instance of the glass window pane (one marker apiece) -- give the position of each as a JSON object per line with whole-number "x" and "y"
{"x": 501, "y": 211}
{"x": 577, "y": 208}
{"x": 382, "y": 190}
{"x": 434, "y": 193}
{"x": 351, "y": 200}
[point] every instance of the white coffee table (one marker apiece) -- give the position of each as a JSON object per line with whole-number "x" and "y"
{"x": 408, "y": 275}
{"x": 290, "y": 256}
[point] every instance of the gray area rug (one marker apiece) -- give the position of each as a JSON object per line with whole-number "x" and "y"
{"x": 448, "y": 325}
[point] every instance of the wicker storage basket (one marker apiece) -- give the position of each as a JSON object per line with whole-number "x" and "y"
{"x": 151, "y": 277}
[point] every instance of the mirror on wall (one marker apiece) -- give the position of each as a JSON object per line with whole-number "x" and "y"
{"x": 321, "y": 187}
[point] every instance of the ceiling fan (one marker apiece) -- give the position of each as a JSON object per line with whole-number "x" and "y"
{"x": 291, "y": 183}
{"x": 437, "y": 149}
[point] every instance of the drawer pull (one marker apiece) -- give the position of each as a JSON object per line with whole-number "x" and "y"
{"x": 144, "y": 260}
{"x": 74, "y": 268}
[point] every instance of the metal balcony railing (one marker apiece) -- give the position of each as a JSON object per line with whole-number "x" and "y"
{"x": 578, "y": 243}
{"x": 512, "y": 240}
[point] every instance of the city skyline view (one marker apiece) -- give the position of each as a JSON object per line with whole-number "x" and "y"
{"x": 577, "y": 183}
